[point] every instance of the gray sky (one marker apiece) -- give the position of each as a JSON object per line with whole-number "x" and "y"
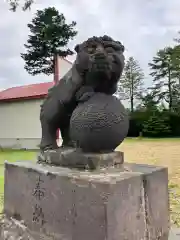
{"x": 143, "y": 26}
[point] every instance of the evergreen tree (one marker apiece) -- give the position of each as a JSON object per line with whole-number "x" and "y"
{"x": 176, "y": 86}
{"x": 164, "y": 70}
{"x": 50, "y": 35}
{"x": 148, "y": 102}
{"x": 176, "y": 63}
{"x": 132, "y": 81}
{"x": 120, "y": 93}
{"x": 157, "y": 125}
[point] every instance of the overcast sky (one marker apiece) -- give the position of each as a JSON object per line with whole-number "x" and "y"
{"x": 143, "y": 26}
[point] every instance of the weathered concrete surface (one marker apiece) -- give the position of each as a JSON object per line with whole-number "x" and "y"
{"x": 12, "y": 229}
{"x": 155, "y": 184}
{"x": 75, "y": 158}
{"x": 77, "y": 205}
{"x": 174, "y": 234}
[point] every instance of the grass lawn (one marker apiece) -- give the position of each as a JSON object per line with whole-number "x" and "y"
{"x": 165, "y": 152}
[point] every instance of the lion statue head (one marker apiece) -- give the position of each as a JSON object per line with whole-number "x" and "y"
{"x": 100, "y": 61}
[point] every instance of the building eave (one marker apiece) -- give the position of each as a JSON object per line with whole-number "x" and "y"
{"x": 22, "y": 98}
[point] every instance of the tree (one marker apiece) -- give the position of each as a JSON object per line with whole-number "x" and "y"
{"x": 157, "y": 125}
{"x": 176, "y": 62}
{"x": 148, "y": 102}
{"x": 164, "y": 70}
{"x": 49, "y": 37}
{"x": 14, "y": 4}
{"x": 132, "y": 81}
{"x": 120, "y": 93}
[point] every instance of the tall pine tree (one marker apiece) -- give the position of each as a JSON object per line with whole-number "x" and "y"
{"x": 50, "y": 35}
{"x": 165, "y": 72}
{"x": 176, "y": 86}
{"x": 132, "y": 81}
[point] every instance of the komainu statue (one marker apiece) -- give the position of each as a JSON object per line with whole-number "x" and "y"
{"x": 82, "y": 104}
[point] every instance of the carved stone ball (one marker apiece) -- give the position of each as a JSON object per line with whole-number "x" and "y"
{"x": 99, "y": 124}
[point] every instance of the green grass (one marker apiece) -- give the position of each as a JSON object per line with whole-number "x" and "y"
{"x": 13, "y": 156}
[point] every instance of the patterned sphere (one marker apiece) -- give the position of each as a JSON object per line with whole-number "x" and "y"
{"x": 99, "y": 124}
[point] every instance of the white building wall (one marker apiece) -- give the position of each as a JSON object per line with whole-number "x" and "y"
{"x": 64, "y": 66}
{"x": 20, "y": 124}
{"x": 19, "y": 120}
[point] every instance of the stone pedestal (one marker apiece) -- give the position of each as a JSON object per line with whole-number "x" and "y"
{"x": 45, "y": 202}
{"x": 75, "y": 158}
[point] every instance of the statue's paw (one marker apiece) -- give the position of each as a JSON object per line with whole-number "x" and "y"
{"x": 43, "y": 157}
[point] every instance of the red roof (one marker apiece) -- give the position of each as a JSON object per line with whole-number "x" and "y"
{"x": 33, "y": 91}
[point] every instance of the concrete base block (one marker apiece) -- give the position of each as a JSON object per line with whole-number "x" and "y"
{"x": 58, "y": 203}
